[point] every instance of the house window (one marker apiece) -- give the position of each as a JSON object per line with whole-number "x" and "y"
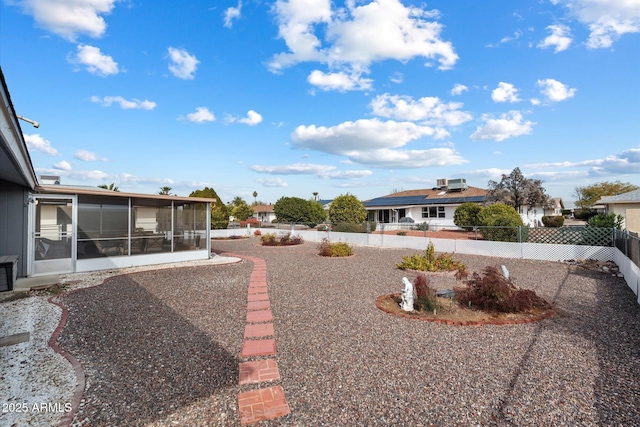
{"x": 433, "y": 212}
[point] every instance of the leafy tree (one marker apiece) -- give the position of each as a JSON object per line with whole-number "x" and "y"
{"x": 111, "y": 187}
{"x": 606, "y": 221}
{"x": 219, "y": 213}
{"x": 239, "y": 209}
{"x": 500, "y": 222}
{"x": 517, "y": 191}
{"x": 466, "y": 215}
{"x": 588, "y": 195}
{"x": 347, "y": 208}
{"x": 295, "y": 209}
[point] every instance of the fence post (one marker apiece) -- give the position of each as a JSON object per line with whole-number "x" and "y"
{"x": 368, "y": 231}
{"x": 382, "y": 235}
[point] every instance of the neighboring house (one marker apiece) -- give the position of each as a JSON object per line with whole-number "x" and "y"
{"x": 435, "y": 206}
{"x": 53, "y": 229}
{"x": 532, "y": 216}
{"x": 326, "y": 204}
{"x": 263, "y": 213}
{"x": 627, "y": 205}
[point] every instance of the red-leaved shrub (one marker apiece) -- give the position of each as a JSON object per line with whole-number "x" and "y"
{"x": 494, "y": 292}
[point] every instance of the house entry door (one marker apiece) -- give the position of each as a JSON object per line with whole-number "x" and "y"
{"x": 52, "y": 245}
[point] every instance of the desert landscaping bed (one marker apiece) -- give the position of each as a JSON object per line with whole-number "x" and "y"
{"x": 162, "y": 347}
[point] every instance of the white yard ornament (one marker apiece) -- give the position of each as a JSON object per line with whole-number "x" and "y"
{"x": 407, "y": 295}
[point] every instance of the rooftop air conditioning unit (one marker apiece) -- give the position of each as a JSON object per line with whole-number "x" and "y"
{"x": 458, "y": 184}
{"x": 442, "y": 182}
{"x": 50, "y": 179}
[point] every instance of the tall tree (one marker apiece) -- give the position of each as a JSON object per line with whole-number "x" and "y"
{"x": 219, "y": 214}
{"x": 255, "y": 195}
{"x": 239, "y": 209}
{"x": 295, "y": 209}
{"x": 111, "y": 187}
{"x": 517, "y": 191}
{"x": 588, "y": 195}
{"x": 347, "y": 208}
{"x": 315, "y": 196}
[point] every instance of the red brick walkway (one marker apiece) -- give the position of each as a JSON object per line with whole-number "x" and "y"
{"x": 258, "y": 352}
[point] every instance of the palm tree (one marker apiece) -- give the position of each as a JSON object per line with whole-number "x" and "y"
{"x": 315, "y": 196}
{"x": 111, "y": 187}
{"x": 255, "y": 194}
{"x": 166, "y": 191}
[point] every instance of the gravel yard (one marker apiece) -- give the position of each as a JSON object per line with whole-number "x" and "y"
{"x": 162, "y": 347}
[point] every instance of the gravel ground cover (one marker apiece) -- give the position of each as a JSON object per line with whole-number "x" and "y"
{"x": 162, "y": 347}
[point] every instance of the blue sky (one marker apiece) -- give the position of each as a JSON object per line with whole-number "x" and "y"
{"x": 288, "y": 98}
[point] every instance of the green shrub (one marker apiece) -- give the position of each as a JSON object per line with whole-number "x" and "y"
{"x": 494, "y": 292}
{"x": 401, "y": 233}
{"x": 336, "y": 249}
{"x": 553, "y": 221}
{"x": 429, "y": 262}
{"x": 423, "y": 226}
{"x": 583, "y": 214}
{"x": 350, "y": 227}
{"x": 297, "y": 210}
{"x": 271, "y": 239}
{"x": 500, "y": 222}
{"x": 466, "y": 215}
{"x": 606, "y": 221}
{"x": 347, "y": 208}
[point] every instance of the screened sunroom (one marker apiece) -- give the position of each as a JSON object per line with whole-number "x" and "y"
{"x": 75, "y": 229}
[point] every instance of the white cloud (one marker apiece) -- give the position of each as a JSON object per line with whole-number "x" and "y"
{"x": 94, "y": 60}
{"x": 353, "y": 37}
{"x": 183, "y": 65}
{"x": 340, "y": 81}
{"x": 375, "y": 143}
{"x": 627, "y": 162}
{"x": 607, "y": 19}
{"x": 505, "y": 92}
{"x": 516, "y": 35}
{"x": 361, "y": 135}
{"x": 125, "y": 104}
{"x": 320, "y": 171}
{"x": 272, "y": 182}
{"x": 408, "y": 159}
{"x": 232, "y": 13}
{"x": 69, "y": 18}
{"x": 559, "y": 38}
{"x": 36, "y": 143}
{"x": 397, "y": 78}
{"x": 555, "y": 91}
{"x": 252, "y": 118}
{"x": 63, "y": 165}
{"x": 509, "y": 125}
{"x": 428, "y": 110}
{"x": 88, "y": 156}
{"x": 458, "y": 89}
{"x": 202, "y": 115}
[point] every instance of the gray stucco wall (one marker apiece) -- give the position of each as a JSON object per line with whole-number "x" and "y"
{"x": 13, "y": 223}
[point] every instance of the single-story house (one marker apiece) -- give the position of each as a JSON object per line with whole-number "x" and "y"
{"x": 627, "y": 205}
{"x": 435, "y": 206}
{"x": 532, "y": 215}
{"x": 264, "y": 213}
{"x": 53, "y": 229}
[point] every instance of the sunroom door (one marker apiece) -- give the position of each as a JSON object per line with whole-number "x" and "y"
{"x": 53, "y": 246}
